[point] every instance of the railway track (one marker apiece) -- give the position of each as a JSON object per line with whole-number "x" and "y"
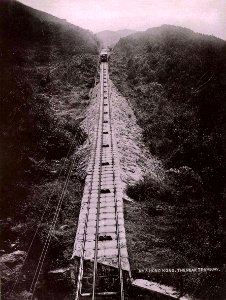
{"x": 100, "y": 241}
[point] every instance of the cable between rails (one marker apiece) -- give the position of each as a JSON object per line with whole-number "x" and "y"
{"x": 99, "y": 187}
{"x": 80, "y": 275}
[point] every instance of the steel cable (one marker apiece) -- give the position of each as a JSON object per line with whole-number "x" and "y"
{"x": 43, "y": 214}
{"x": 47, "y": 242}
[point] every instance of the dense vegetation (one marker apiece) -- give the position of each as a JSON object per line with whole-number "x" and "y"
{"x": 176, "y": 82}
{"x": 47, "y": 69}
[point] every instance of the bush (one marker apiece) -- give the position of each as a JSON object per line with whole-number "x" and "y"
{"x": 148, "y": 189}
{"x": 186, "y": 184}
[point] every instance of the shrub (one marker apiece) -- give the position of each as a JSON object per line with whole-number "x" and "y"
{"x": 148, "y": 189}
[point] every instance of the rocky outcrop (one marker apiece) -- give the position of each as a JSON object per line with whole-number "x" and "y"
{"x": 10, "y": 264}
{"x": 135, "y": 159}
{"x": 89, "y": 126}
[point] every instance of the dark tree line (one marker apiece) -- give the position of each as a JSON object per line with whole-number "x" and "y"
{"x": 47, "y": 69}
{"x": 41, "y": 57}
{"x": 176, "y": 82}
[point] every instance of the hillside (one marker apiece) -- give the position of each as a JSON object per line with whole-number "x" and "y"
{"x": 175, "y": 80}
{"x": 47, "y": 69}
{"x": 109, "y": 38}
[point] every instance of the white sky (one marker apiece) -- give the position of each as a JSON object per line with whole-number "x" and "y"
{"x": 206, "y": 16}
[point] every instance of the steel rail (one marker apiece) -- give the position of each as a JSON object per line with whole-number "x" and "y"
{"x": 116, "y": 206}
{"x": 81, "y": 270}
{"x": 99, "y": 184}
{"x": 99, "y": 147}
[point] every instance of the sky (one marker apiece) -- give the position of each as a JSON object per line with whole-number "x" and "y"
{"x": 205, "y": 16}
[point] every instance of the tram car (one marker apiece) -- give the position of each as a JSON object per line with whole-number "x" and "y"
{"x": 104, "y": 55}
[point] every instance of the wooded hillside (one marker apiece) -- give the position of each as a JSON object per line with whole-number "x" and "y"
{"x": 175, "y": 80}
{"x": 41, "y": 57}
{"x": 47, "y": 69}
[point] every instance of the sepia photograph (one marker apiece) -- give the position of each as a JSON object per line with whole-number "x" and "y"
{"x": 112, "y": 149}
